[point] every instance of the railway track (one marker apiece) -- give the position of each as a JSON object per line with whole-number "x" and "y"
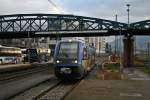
{"x": 52, "y": 89}
{"x": 17, "y": 82}
{"x": 59, "y": 92}
{"x": 7, "y": 77}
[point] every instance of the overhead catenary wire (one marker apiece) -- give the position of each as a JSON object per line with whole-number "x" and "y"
{"x": 55, "y": 5}
{"x": 52, "y": 3}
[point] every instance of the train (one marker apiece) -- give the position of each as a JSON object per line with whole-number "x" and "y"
{"x": 35, "y": 55}
{"x": 15, "y": 55}
{"x": 10, "y": 55}
{"x": 73, "y": 59}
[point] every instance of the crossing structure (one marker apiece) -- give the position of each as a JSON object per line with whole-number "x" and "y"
{"x": 60, "y": 25}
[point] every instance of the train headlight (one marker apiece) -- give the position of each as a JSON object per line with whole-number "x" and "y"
{"x": 57, "y": 61}
{"x": 75, "y": 61}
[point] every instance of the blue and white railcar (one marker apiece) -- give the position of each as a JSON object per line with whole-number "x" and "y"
{"x": 73, "y": 59}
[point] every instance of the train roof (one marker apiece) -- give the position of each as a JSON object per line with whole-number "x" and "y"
{"x": 8, "y": 47}
{"x": 81, "y": 41}
{"x": 72, "y": 40}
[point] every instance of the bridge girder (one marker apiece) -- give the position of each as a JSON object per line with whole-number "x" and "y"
{"x": 32, "y": 23}
{"x": 141, "y": 25}
{"x": 25, "y": 25}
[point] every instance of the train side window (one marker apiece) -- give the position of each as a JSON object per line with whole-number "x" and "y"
{"x": 85, "y": 54}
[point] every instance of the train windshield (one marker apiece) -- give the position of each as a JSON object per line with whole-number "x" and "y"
{"x": 68, "y": 50}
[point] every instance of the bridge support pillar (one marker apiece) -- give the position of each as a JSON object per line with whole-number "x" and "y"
{"x": 128, "y": 57}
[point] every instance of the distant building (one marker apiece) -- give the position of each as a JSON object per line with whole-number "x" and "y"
{"x": 98, "y": 42}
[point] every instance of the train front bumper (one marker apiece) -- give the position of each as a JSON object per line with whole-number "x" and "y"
{"x": 68, "y": 72}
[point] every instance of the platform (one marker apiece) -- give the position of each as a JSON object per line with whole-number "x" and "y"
{"x": 134, "y": 87}
{"x": 111, "y": 90}
{"x": 11, "y": 67}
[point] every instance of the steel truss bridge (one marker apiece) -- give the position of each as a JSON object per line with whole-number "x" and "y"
{"x": 53, "y": 25}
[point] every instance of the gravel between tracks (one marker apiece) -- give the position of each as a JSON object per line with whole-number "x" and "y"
{"x": 51, "y": 89}
{"x": 59, "y": 92}
{"x": 13, "y": 75}
{"x": 34, "y": 92}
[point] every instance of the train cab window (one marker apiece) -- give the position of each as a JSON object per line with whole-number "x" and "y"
{"x": 85, "y": 54}
{"x": 68, "y": 50}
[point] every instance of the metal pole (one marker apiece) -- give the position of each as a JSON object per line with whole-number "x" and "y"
{"x": 115, "y": 45}
{"x": 121, "y": 67}
{"x": 128, "y": 5}
{"x": 134, "y": 45}
{"x": 28, "y": 45}
{"x": 149, "y": 52}
{"x": 148, "y": 47}
{"x": 34, "y": 43}
{"x": 116, "y": 37}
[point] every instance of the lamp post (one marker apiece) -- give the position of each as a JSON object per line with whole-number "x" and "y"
{"x": 128, "y": 10}
{"x": 116, "y": 38}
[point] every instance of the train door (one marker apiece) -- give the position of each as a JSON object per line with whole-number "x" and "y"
{"x": 85, "y": 61}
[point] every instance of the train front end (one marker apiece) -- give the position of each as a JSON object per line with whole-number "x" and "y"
{"x": 67, "y": 60}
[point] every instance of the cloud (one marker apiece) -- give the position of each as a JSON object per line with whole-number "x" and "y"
{"x": 105, "y": 9}
{"x": 26, "y": 6}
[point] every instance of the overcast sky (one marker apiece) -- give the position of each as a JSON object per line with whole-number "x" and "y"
{"x": 104, "y": 9}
